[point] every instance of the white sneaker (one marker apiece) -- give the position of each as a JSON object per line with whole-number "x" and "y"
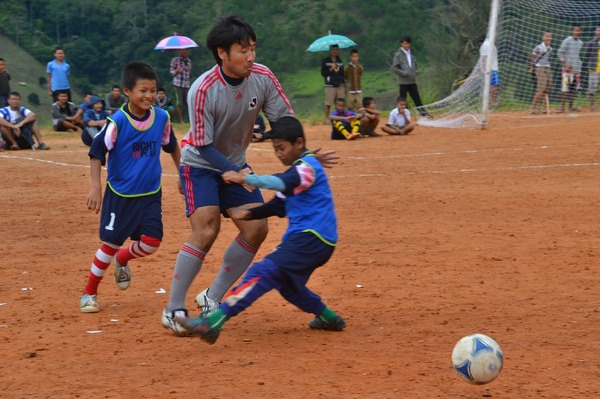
{"x": 207, "y": 306}
{"x": 122, "y": 275}
{"x": 88, "y": 304}
{"x": 168, "y": 321}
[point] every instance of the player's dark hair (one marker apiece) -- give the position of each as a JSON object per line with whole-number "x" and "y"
{"x": 287, "y": 128}
{"x": 340, "y": 100}
{"x": 367, "y": 101}
{"x": 226, "y": 32}
{"x": 57, "y": 48}
{"x": 405, "y": 38}
{"x": 353, "y": 51}
{"x": 15, "y": 93}
{"x": 116, "y": 87}
{"x": 135, "y": 71}
{"x": 161, "y": 89}
{"x": 1, "y": 59}
{"x": 400, "y": 99}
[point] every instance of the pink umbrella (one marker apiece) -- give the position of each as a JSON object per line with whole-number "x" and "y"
{"x": 175, "y": 42}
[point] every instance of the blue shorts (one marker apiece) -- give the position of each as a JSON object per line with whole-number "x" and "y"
{"x": 494, "y": 79}
{"x": 124, "y": 217}
{"x": 205, "y": 187}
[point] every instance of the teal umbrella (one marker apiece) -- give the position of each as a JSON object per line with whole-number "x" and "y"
{"x": 324, "y": 43}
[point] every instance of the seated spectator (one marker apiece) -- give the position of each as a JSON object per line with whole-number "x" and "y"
{"x": 63, "y": 114}
{"x": 258, "y": 134}
{"x": 114, "y": 100}
{"x": 18, "y": 125}
{"x": 370, "y": 117}
{"x": 164, "y": 102}
{"x": 94, "y": 119}
{"x": 400, "y": 122}
{"x": 78, "y": 118}
{"x": 346, "y": 124}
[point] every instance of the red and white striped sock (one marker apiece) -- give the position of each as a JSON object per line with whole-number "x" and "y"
{"x": 99, "y": 265}
{"x": 139, "y": 249}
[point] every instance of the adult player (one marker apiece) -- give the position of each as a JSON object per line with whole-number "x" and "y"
{"x": 223, "y": 105}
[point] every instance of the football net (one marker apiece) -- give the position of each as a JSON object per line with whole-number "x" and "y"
{"x": 518, "y": 26}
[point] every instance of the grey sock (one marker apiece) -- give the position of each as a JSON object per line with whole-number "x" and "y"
{"x": 236, "y": 260}
{"x": 188, "y": 264}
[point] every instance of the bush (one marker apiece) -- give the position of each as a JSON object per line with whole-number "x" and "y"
{"x": 42, "y": 81}
{"x": 33, "y": 98}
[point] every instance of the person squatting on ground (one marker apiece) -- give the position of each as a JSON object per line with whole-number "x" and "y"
{"x": 63, "y": 115}
{"x": 18, "y": 125}
{"x": 592, "y": 54}
{"x": 114, "y": 100}
{"x": 131, "y": 207}
{"x": 224, "y": 103}
{"x": 540, "y": 66}
{"x": 399, "y": 122}
{"x": 370, "y": 118}
{"x": 568, "y": 55}
{"x": 345, "y": 123}
{"x": 94, "y": 119}
{"x": 304, "y": 195}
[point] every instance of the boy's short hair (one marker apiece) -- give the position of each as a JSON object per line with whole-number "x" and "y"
{"x": 1, "y": 59}
{"x": 400, "y": 99}
{"x": 367, "y": 101}
{"x": 161, "y": 89}
{"x": 287, "y": 128}
{"x": 14, "y": 93}
{"x": 340, "y": 100}
{"x": 57, "y": 48}
{"x": 333, "y": 46}
{"x": 405, "y": 38}
{"x": 226, "y": 32}
{"x": 353, "y": 51}
{"x": 116, "y": 87}
{"x": 135, "y": 71}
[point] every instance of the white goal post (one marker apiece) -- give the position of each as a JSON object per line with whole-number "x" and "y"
{"x": 515, "y": 28}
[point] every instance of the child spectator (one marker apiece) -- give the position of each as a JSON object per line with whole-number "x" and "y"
{"x": 164, "y": 102}
{"x": 58, "y": 71}
{"x": 18, "y": 125}
{"x": 84, "y": 106}
{"x": 346, "y": 124}
{"x": 370, "y": 117}
{"x": 94, "y": 119}
{"x": 114, "y": 100}
{"x": 353, "y": 78}
{"x": 399, "y": 123}
{"x": 4, "y": 84}
{"x": 63, "y": 114}
{"x": 540, "y": 65}
{"x": 131, "y": 207}
{"x": 304, "y": 195}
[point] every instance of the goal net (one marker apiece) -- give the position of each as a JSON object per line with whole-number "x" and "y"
{"x": 518, "y": 26}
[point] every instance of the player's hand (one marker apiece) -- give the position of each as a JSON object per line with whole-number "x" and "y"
{"x": 326, "y": 158}
{"x": 94, "y": 200}
{"x": 233, "y": 177}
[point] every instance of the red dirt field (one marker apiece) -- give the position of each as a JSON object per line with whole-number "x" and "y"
{"x": 443, "y": 233}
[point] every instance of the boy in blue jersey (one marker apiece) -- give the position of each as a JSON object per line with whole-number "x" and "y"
{"x": 131, "y": 208}
{"x": 345, "y": 123}
{"x": 305, "y": 197}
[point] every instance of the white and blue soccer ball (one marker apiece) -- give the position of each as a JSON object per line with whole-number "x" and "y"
{"x": 477, "y": 358}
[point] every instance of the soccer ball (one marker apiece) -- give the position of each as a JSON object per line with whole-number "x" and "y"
{"x": 477, "y": 358}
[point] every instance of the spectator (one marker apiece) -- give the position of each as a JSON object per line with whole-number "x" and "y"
{"x": 370, "y": 117}
{"x": 592, "y": 53}
{"x": 540, "y": 65}
{"x": 345, "y": 123}
{"x": 181, "y": 69}
{"x": 568, "y": 55}
{"x": 332, "y": 70}
{"x": 84, "y": 106}
{"x": 63, "y": 114}
{"x": 405, "y": 66}
{"x": 58, "y": 71}
{"x": 4, "y": 84}
{"x": 18, "y": 125}
{"x": 94, "y": 119}
{"x": 114, "y": 100}
{"x": 400, "y": 122}
{"x": 164, "y": 102}
{"x": 484, "y": 51}
{"x": 353, "y": 81}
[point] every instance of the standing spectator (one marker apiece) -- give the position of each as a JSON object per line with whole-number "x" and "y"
{"x": 332, "y": 70}
{"x": 94, "y": 119}
{"x": 181, "y": 69}
{"x": 540, "y": 65}
{"x": 353, "y": 80}
{"x": 568, "y": 55}
{"x": 592, "y": 54}
{"x": 114, "y": 100}
{"x": 405, "y": 66}
{"x": 224, "y": 102}
{"x": 369, "y": 118}
{"x": 164, "y": 102}
{"x": 4, "y": 84}
{"x": 63, "y": 114}
{"x": 18, "y": 125}
{"x": 345, "y": 123}
{"x": 399, "y": 123}
{"x": 484, "y": 53}
{"x": 58, "y": 71}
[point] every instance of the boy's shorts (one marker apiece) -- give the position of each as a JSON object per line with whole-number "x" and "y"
{"x": 205, "y": 187}
{"x": 568, "y": 82}
{"x": 593, "y": 82}
{"x": 130, "y": 217}
{"x": 333, "y": 93}
{"x": 494, "y": 79}
{"x": 544, "y": 79}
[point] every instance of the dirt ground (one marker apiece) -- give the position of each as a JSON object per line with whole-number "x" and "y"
{"x": 443, "y": 233}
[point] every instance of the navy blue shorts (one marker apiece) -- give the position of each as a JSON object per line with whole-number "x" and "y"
{"x": 205, "y": 187}
{"x": 124, "y": 217}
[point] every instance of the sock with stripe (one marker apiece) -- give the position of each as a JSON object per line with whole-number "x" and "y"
{"x": 236, "y": 260}
{"x": 99, "y": 265}
{"x": 187, "y": 266}
{"x": 145, "y": 246}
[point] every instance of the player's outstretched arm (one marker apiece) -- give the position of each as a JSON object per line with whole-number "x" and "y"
{"x": 326, "y": 158}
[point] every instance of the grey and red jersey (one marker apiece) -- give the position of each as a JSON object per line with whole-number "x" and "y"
{"x": 224, "y": 115}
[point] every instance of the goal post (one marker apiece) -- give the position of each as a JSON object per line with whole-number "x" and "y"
{"x": 516, "y": 27}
